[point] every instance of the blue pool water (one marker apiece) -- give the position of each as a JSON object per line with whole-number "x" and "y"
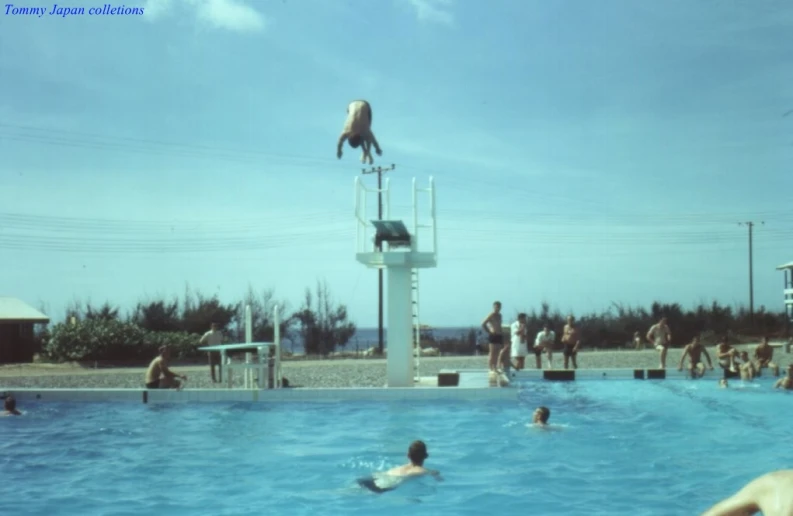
{"x": 655, "y": 448}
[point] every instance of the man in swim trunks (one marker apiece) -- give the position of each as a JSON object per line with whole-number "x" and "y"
{"x": 770, "y": 494}
{"x": 746, "y": 367}
{"x": 519, "y": 348}
{"x": 726, "y": 355}
{"x": 544, "y": 342}
{"x": 661, "y": 337}
{"x": 786, "y": 382}
{"x": 541, "y": 416}
{"x": 571, "y": 340}
{"x": 694, "y": 352}
{"x": 10, "y": 407}
{"x": 159, "y": 376}
{"x": 763, "y": 355}
{"x": 358, "y": 131}
{"x": 495, "y": 337}
{"x": 391, "y": 479}
{"x": 213, "y": 337}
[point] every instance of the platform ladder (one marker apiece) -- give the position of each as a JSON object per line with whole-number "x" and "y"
{"x": 416, "y": 324}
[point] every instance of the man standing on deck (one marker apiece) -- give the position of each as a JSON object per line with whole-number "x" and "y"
{"x": 771, "y": 494}
{"x": 358, "y": 131}
{"x": 571, "y": 340}
{"x": 495, "y": 337}
{"x": 214, "y": 337}
{"x": 694, "y": 351}
{"x": 518, "y": 348}
{"x": 661, "y": 337}
{"x": 544, "y": 342}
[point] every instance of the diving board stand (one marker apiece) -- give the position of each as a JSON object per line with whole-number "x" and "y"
{"x": 399, "y": 255}
{"x": 268, "y": 354}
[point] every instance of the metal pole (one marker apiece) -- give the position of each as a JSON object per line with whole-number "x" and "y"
{"x": 751, "y": 225}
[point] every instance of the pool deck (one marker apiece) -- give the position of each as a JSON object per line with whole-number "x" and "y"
{"x": 452, "y": 384}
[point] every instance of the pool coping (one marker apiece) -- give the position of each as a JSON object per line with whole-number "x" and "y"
{"x": 450, "y": 384}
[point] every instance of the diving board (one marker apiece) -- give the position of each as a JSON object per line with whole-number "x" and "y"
{"x": 268, "y": 354}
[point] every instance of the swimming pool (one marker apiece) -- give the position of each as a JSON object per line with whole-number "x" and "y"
{"x": 626, "y": 447}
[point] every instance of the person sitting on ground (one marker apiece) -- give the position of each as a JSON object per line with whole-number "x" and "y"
{"x": 786, "y": 382}
{"x": 770, "y": 494}
{"x": 726, "y": 355}
{"x": 159, "y": 375}
{"x": 544, "y": 342}
{"x": 358, "y": 131}
{"x": 571, "y": 340}
{"x": 763, "y": 355}
{"x": 746, "y": 367}
{"x": 518, "y": 348}
{"x": 661, "y": 337}
{"x": 10, "y": 407}
{"x": 694, "y": 351}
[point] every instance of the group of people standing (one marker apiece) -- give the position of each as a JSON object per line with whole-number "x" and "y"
{"x": 514, "y": 355}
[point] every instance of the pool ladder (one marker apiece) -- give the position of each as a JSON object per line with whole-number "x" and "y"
{"x": 414, "y": 288}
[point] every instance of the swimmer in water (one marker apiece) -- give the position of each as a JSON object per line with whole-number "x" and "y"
{"x": 541, "y": 416}
{"x": 391, "y": 479}
{"x": 723, "y": 383}
{"x": 10, "y": 407}
{"x": 786, "y": 382}
{"x": 770, "y": 494}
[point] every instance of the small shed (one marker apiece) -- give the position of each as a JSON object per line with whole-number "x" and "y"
{"x": 787, "y": 291}
{"x": 17, "y": 343}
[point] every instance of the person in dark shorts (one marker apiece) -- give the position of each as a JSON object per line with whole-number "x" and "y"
{"x": 159, "y": 375}
{"x": 694, "y": 352}
{"x": 571, "y": 340}
{"x": 495, "y": 337}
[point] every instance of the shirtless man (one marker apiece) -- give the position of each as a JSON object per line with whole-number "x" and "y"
{"x": 786, "y": 382}
{"x": 519, "y": 349}
{"x": 495, "y": 337}
{"x": 763, "y": 354}
{"x": 747, "y": 368}
{"x": 391, "y": 479}
{"x": 544, "y": 342}
{"x": 10, "y": 407}
{"x": 661, "y": 337}
{"x": 770, "y": 494}
{"x": 694, "y": 352}
{"x": 571, "y": 339}
{"x": 358, "y": 131}
{"x": 726, "y": 355}
{"x": 159, "y": 376}
{"x": 541, "y": 416}
{"x": 213, "y": 337}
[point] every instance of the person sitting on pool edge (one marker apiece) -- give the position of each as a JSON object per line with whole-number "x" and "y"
{"x": 159, "y": 375}
{"x": 694, "y": 352}
{"x": 726, "y": 355}
{"x": 771, "y": 494}
{"x": 763, "y": 355}
{"x": 10, "y": 407}
{"x": 786, "y": 382}
{"x": 747, "y": 368}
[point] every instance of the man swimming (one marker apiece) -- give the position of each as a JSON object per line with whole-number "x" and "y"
{"x": 394, "y": 477}
{"x": 771, "y": 494}
{"x": 541, "y": 416}
{"x": 786, "y": 382}
{"x": 358, "y": 131}
{"x": 694, "y": 351}
{"x": 763, "y": 355}
{"x": 495, "y": 337}
{"x": 10, "y": 407}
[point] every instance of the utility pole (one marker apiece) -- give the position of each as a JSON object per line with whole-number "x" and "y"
{"x": 379, "y": 171}
{"x": 751, "y": 225}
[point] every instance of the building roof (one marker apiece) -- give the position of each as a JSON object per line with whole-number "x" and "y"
{"x": 788, "y": 265}
{"x": 13, "y": 310}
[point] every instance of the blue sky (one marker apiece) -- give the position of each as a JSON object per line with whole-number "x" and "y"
{"x": 584, "y": 152}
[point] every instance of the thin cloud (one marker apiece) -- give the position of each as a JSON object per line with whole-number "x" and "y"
{"x": 234, "y": 15}
{"x": 433, "y": 11}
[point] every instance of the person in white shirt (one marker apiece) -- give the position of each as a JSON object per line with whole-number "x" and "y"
{"x": 519, "y": 348}
{"x": 213, "y": 337}
{"x": 660, "y": 336}
{"x": 358, "y": 131}
{"x": 544, "y": 342}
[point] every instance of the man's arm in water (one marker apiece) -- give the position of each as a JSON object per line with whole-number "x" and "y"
{"x": 742, "y": 503}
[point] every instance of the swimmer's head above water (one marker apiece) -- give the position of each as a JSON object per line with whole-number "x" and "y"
{"x": 417, "y": 453}
{"x": 541, "y": 415}
{"x": 723, "y": 383}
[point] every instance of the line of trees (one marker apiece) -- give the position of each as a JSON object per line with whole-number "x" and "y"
{"x": 614, "y": 327}
{"x": 90, "y": 332}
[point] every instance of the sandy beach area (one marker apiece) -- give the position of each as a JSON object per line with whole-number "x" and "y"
{"x": 363, "y": 372}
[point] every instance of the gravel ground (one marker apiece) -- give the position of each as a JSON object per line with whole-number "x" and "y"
{"x": 313, "y": 373}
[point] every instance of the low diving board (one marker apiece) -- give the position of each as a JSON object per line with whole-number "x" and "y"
{"x": 268, "y": 364}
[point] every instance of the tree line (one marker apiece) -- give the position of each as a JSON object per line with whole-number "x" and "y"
{"x": 90, "y": 332}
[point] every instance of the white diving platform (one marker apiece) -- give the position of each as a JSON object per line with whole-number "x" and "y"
{"x": 268, "y": 364}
